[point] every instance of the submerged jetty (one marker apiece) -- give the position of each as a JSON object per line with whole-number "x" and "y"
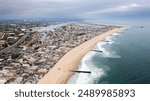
{"x": 28, "y": 52}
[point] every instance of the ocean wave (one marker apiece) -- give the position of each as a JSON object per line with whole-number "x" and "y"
{"x": 87, "y": 65}
{"x": 105, "y": 52}
{"x": 115, "y": 34}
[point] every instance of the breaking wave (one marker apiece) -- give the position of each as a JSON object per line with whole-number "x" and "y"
{"x": 105, "y": 52}
{"x": 87, "y": 63}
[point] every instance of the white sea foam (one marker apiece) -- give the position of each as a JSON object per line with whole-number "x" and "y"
{"x": 116, "y": 34}
{"x": 100, "y": 47}
{"x": 106, "y": 53}
{"x": 110, "y": 39}
{"x": 87, "y": 65}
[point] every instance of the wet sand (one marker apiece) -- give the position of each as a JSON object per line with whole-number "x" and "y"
{"x": 60, "y": 73}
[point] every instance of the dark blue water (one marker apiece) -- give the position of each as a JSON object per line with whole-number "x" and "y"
{"x": 133, "y": 64}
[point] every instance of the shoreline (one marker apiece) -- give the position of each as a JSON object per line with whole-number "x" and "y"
{"x": 60, "y": 73}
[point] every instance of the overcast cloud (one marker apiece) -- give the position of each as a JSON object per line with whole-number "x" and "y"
{"x": 67, "y": 8}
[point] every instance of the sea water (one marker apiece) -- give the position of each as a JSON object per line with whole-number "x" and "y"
{"x": 125, "y": 58}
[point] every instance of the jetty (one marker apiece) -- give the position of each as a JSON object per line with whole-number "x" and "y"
{"x": 89, "y": 72}
{"x": 106, "y": 41}
{"x": 97, "y": 51}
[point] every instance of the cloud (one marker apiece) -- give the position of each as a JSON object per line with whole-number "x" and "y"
{"x": 127, "y": 7}
{"x": 122, "y": 8}
{"x": 65, "y": 8}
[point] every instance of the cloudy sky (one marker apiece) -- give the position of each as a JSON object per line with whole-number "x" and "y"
{"x": 72, "y": 8}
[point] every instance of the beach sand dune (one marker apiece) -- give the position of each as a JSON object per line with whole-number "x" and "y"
{"x": 60, "y": 73}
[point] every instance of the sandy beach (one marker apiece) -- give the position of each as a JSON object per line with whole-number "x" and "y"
{"x": 60, "y": 73}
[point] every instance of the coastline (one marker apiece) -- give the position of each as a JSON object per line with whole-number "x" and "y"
{"x": 60, "y": 73}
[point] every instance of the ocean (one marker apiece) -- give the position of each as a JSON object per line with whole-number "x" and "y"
{"x": 125, "y": 59}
